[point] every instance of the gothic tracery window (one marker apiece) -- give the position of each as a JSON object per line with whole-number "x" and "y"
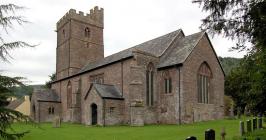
{"x": 204, "y": 76}
{"x": 150, "y": 85}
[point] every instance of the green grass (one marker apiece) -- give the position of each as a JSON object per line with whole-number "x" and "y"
{"x": 149, "y": 132}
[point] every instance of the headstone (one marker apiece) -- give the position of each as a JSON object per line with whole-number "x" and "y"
{"x": 210, "y": 134}
{"x": 57, "y": 122}
{"x": 223, "y": 133}
{"x": 254, "y": 123}
{"x": 241, "y": 128}
{"x": 191, "y": 138}
{"x": 232, "y": 111}
{"x": 260, "y": 122}
{"x": 249, "y": 127}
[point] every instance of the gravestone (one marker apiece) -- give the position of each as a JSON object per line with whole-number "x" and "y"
{"x": 210, "y": 134}
{"x": 241, "y": 128}
{"x": 223, "y": 133}
{"x": 249, "y": 127}
{"x": 260, "y": 122}
{"x": 191, "y": 138}
{"x": 57, "y": 122}
{"x": 254, "y": 123}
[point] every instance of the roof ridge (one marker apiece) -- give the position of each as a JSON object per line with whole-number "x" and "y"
{"x": 179, "y": 31}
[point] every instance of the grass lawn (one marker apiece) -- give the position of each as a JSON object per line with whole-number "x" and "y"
{"x": 149, "y": 132}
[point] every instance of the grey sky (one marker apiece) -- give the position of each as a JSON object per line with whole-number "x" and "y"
{"x": 127, "y": 23}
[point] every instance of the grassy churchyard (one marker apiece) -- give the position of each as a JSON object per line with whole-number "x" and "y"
{"x": 150, "y": 132}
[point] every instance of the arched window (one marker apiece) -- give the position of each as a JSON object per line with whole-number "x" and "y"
{"x": 64, "y": 34}
{"x": 87, "y": 32}
{"x": 51, "y": 110}
{"x": 69, "y": 94}
{"x": 149, "y": 84}
{"x": 204, "y": 76}
{"x": 167, "y": 82}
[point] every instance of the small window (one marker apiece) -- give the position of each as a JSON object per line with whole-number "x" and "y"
{"x": 111, "y": 110}
{"x": 51, "y": 110}
{"x": 87, "y": 32}
{"x": 99, "y": 78}
{"x": 168, "y": 85}
{"x": 64, "y": 34}
{"x": 167, "y": 82}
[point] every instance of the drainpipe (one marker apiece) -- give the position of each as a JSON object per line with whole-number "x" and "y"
{"x": 179, "y": 89}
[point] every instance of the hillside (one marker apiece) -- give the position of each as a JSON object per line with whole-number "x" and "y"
{"x": 228, "y": 63}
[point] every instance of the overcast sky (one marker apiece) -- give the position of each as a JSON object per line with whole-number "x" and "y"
{"x": 127, "y": 23}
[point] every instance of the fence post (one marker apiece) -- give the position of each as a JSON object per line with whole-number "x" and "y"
{"x": 191, "y": 138}
{"x": 210, "y": 134}
{"x": 249, "y": 128}
{"x": 254, "y": 123}
{"x": 241, "y": 128}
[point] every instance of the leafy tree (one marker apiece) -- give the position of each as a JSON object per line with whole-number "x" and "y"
{"x": 7, "y": 117}
{"x": 245, "y": 22}
{"x": 52, "y": 78}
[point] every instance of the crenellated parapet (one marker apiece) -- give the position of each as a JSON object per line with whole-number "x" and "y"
{"x": 95, "y": 17}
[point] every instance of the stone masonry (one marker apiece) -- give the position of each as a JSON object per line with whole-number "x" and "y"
{"x": 156, "y": 82}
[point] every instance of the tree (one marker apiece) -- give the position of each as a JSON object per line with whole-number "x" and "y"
{"x": 52, "y": 78}
{"x": 245, "y": 22}
{"x": 7, "y": 117}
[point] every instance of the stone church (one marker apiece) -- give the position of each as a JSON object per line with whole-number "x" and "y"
{"x": 171, "y": 79}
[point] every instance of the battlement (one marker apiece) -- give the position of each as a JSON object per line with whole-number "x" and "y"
{"x": 95, "y": 17}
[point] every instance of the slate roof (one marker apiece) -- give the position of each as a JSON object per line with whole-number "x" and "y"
{"x": 14, "y": 104}
{"x": 178, "y": 54}
{"x": 155, "y": 47}
{"x": 106, "y": 91}
{"x": 46, "y": 95}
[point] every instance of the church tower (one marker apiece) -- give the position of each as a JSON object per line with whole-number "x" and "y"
{"x": 79, "y": 41}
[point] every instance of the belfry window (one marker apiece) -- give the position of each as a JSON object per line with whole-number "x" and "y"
{"x": 204, "y": 77}
{"x": 149, "y": 85}
{"x": 87, "y": 32}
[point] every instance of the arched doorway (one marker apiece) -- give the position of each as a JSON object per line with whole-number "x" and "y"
{"x": 93, "y": 114}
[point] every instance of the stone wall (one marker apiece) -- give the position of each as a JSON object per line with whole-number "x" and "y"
{"x": 169, "y": 102}
{"x": 44, "y": 115}
{"x": 74, "y": 48}
{"x": 192, "y": 110}
{"x": 114, "y": 112}
{"x": 143, "y": 60}
{"x": 93, "y": 98}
